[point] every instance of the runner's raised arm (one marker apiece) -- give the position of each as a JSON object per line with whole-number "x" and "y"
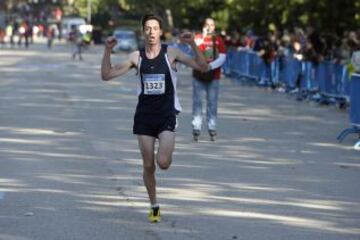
{"x": 108, "y": 71}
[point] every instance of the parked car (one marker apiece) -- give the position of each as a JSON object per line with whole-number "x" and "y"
{"x": 78, "y": 22}
{"x": 127, "y": 40}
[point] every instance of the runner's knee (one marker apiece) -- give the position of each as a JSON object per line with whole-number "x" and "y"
{"x": 164, "y": 162}
{"x": 149, "y": 168}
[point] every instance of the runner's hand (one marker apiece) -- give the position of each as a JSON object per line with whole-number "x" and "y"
{"x": 187, "y": 37}
{"x": 110, "y": 42}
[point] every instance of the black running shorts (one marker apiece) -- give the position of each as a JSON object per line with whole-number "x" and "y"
{"x": 153, "y": 125}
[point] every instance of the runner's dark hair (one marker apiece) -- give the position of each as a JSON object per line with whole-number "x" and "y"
{"x": 150, "y": 16}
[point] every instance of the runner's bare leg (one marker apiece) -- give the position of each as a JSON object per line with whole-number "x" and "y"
{"x": 166, "y": 149}
{"x": 147, "y": 144}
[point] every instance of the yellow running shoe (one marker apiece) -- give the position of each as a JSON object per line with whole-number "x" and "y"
{"x": 154, "y": 215}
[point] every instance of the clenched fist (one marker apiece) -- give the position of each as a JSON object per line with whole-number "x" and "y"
{"x": 110, "y": 42}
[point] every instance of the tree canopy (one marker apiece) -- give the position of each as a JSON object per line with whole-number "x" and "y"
{"x": 260, "y": 15}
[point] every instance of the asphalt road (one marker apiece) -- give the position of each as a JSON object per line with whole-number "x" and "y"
{"x": 70, "y": 166}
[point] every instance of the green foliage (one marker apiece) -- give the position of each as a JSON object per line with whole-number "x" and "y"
{"x": 329, "y": 15}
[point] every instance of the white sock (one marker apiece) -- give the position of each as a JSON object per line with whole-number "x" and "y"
{"x": 155, "y": 205}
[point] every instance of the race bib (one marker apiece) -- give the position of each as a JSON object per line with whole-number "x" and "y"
{"x": 154, "y": 84}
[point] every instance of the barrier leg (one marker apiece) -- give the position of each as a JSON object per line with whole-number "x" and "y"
{"x": 346, "y": 132}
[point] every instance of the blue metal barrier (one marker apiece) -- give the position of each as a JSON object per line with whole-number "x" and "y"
{"x": 309, "y": 81}
{"x": 290, "y": 72}
{"x": 227, "y": 64}
{"x": 330, "y": 79}
{"x": 275, "y": 71}
{"x": 234, "y": 63}
{"x": 334, "y": 82}
{"x": 354, "y": 110}
{"x": 321, "y": 76}
{"x": 255, "y": 63}
{"x": 269, "y": 72}
{"x": 355, "y": 100}
{"x": 344, "y": 87}
{"x": 241, "y": 69}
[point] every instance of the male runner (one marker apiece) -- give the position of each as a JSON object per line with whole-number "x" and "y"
{"x": 155, "y": 115}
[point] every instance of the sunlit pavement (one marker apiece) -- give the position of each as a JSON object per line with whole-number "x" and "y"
{"x": 70, "y": 166}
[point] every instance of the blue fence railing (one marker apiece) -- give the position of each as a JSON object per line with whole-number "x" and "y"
{"x": 355, "y": 100}
{"x": 354, "y": 115}
{"x": 329, "y": 80}
{"x": 326, "y": 78}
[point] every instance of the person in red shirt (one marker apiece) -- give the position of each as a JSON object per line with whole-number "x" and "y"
{"x": 213, "y": 48}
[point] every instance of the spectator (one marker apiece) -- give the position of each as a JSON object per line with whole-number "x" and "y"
{"x": 214, "y": 50}
{"x": 50, "y": 34}
{"x": 75, "y": 40}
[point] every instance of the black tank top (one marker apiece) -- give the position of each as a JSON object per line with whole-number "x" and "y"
{"x": 156, "y": 96}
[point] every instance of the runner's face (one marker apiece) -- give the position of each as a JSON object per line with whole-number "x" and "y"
{"x": 152, "y": 32}
{"x": 210, "y": 26}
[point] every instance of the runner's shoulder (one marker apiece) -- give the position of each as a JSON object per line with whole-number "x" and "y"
{"x": 134, "y": 54}
{"x": 134, "y": 57}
